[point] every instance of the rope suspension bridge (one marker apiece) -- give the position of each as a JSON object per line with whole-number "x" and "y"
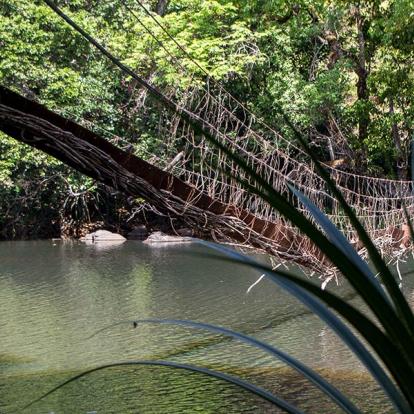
{"x": 191, "y": 178}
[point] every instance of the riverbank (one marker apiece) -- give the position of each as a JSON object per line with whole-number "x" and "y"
{"x": 126, "y": 223}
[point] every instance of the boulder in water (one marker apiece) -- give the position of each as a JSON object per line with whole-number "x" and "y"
{"x": 185, "y": 232}
{"x": 103, "y": 236}
{"x": 159, "y": 237}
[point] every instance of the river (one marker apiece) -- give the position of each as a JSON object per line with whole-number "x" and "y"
{"x": 55, "y": 295}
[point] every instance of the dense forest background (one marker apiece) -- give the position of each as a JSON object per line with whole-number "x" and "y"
{"x": 342, "y": 70}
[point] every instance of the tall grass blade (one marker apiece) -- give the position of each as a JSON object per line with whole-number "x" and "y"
{"x": 304, "y": 291}
{"x": 381, "y": 307}
{"x": 260, "y": 392}
{"x": 337, "y": 238}
{"x": 387, "y": 278}
{"x": 396, "y": 343}
{"x": 308, "y": 373}
{"x": 376, "y": 302}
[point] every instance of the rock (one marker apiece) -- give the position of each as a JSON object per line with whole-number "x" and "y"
{"x": 159, "y": 237}
{"x": 103, "y": 236}
{"x": 185, "y": 232}
{"x": 138, "y": 233}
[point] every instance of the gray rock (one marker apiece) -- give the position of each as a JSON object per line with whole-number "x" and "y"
{"x": 185, "y": 232}
{"x": 159, "y": 237}
{"x": 103, "y": 236}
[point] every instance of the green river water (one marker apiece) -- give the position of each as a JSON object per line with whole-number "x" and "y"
{"x": 54, "y": 295}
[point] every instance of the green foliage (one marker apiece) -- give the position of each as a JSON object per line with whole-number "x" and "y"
{"x": 391, "y": 334}
{"x": 299, "y": 56}
{"x": 28, "y": 201}
{"x": 42, "y": 58}
{"x": 212, "y": 32}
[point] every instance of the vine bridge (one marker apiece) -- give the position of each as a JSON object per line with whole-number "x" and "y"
{"x": 190, "y": 178}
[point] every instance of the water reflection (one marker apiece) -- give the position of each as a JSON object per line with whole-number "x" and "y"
{"x": 53, "y": 297}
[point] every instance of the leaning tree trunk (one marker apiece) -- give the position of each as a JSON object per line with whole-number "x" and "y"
{"x": 80, "y": 148}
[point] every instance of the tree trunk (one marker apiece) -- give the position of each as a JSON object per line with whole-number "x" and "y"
{"x": 362, "y": 73}
{"x": 401, "y": 162}
{"x": 90, "y": 154}
{"x": 161, "y": 7}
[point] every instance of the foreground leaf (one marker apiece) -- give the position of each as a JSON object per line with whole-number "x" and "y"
{"x": 260, "y": 392}
{"x": 308, "y": 373}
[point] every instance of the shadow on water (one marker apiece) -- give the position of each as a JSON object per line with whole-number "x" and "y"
{"x": 53, "y": 296}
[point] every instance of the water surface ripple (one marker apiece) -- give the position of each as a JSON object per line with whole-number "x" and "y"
{"x": 54, "y": 295}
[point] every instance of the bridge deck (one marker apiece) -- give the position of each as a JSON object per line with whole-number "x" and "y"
{"x": 33, "y": 124}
